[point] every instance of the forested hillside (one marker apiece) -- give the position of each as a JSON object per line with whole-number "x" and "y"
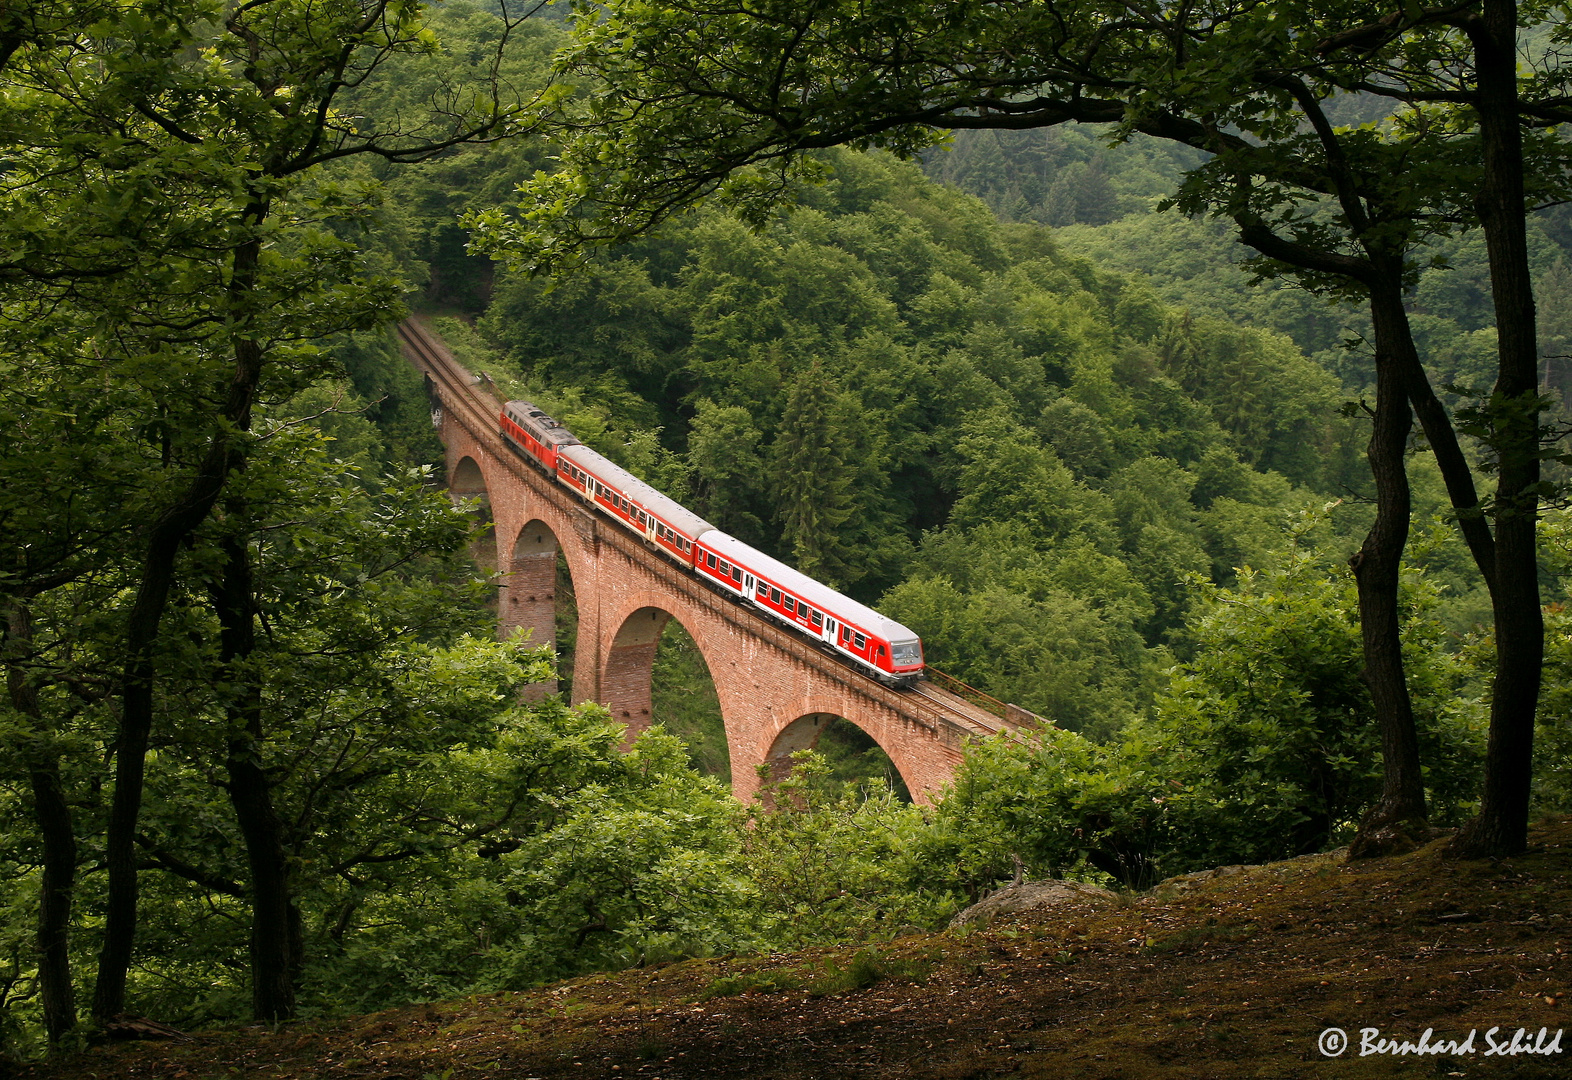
{"x": 1105, "y": 199}
{"x": 264, "y": 756}
{"x": 1022, "y": 456}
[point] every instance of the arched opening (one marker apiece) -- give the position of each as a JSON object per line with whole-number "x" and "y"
{"x": 655, "y": 673}
{"x": 537, "y": 594}
{"x": 854, "y": 757}
{"x": 683, "y": 700}
{"x": 469, "y": 483}
{"x": 625, "y": 686}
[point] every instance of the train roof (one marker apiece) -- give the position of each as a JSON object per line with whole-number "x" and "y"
{"x": 804, "y": 587}
{"x": 668, "y": 510}
{"x": 555, "y": 430}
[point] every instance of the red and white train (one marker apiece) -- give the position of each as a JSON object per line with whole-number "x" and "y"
{"x": 880, "y": 646}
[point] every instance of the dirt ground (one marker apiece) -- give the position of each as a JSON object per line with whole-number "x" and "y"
{"x": 1237, "y": 974}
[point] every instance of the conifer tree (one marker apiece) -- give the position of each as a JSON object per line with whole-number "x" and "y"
{"x": 814, "y": 476}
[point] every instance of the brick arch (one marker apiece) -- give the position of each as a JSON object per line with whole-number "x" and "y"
{"x": 467, "y": 480}
{"x": 626, "y": 683}
{"x": 529, "y": 590}
{"x": 630, "y": 659}
{"x": 803, "y": 734}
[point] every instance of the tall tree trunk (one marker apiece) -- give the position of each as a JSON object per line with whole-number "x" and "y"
{"x": 275, "y": 918}
{"x": 52, "y": 814}
{"x": 168, "y": 533}
{"x": 1502, "y": 825}
{"x": 1398, "y": 818}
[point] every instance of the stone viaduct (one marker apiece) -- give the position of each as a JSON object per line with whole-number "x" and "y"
{"x": 777, "y": 691}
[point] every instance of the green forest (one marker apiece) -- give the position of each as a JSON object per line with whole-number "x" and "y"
{"x": 1016, "y": 385}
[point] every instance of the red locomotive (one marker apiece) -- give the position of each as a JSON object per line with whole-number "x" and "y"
{"x": 883, "y": 647}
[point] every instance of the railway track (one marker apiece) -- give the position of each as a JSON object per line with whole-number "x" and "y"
{"x": 460, "y": 390}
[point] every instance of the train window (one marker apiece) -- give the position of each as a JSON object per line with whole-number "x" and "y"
{"x": 709, "y": 558}
{"x": 860, "y": 641}
{"x": 725, "y": 568}
{"x": 736, "y": 574}
{"x": 818, "y": 620}
{"x": 763, "y": 588}
{"x": 791, "y": 603}
{"x": 775, "y": 596}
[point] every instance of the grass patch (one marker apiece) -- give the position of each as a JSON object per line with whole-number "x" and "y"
{"x": 866, "y": 968}
{"x": 749, "y": 982}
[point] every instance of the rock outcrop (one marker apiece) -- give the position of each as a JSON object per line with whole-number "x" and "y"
{"x": 1034, "y": 896}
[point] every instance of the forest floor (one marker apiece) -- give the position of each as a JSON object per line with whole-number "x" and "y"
{"x": 1235, "y": 974}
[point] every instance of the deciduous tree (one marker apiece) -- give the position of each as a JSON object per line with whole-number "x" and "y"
{"x": 165, "y": 184}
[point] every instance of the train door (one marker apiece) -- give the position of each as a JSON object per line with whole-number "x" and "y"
{"x": 749, "y": 584}
{"x": 829, "y": 629}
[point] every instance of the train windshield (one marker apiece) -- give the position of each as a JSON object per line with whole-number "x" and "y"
{"x": 905, "y": 652}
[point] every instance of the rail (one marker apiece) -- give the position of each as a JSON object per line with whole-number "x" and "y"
{"x": 967, "y": 693}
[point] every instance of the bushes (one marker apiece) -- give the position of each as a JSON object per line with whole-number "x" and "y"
{"x": 841, "y": 864}
{"x": 1264, "y": 746}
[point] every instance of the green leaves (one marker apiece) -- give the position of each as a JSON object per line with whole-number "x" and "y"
{"x": 815, "y": 476}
